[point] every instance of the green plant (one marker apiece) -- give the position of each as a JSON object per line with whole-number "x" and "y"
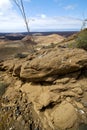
{"x": 81, "y": 40}
{"x": 71, "y": 44}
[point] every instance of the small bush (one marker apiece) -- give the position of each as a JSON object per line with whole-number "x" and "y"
{"x": 72, "y": 45}
{"x": 81, "y": 40}
{"x": 20, "y": 55}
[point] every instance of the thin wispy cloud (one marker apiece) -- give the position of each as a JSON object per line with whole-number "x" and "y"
{"x": 9, "y": 17}
{"x": 5, "y": 5}
{"x": 70, "y": 7}
{"x": 12, "y": 21}
{"x": 54, "y": 23}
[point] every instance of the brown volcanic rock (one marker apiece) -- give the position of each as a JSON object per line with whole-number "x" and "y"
{"x": 59, "y": 104}
{"x": 64, "y": 116}
{"x": 46, "y": 99}
{"x": 7, "y": 65}
{"x": 53, "y": 64}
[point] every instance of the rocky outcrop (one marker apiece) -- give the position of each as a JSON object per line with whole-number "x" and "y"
{"x": 50, "y": 66}
{"x": 57, "y": 106}
{"x": 54, "y": 84}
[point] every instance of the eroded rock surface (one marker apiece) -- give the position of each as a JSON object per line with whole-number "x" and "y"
{"x": 52, "y": 84}
{"x": 64, "y": 116}
{"x": 57, "y": 62}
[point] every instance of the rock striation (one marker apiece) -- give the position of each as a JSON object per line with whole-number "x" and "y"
{"x": 53, "y": 82}
{"x": 58, "y": 62}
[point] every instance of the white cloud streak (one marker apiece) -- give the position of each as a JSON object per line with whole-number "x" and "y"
{"x": 54, "y": 23}
{"x": 70, "y": 7}
{"x": 11, "y": 21}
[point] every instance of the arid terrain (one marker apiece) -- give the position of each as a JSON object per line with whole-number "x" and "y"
{"x": 43, "y": 83}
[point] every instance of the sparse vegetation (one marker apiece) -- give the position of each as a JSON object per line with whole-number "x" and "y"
{"x": 78, "y": 40}
{"x": 72, "y": 44}
{"x": 8, "y": 123}
{"x": 20, "y": 55}
{"x": 81, "y": 40}
{"x": 5, "y": 123}
{"x": 3, "y": 87}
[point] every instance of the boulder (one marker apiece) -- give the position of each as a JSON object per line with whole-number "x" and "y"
{"x": 53, "y": 64}
{"x": 64, "y": 116}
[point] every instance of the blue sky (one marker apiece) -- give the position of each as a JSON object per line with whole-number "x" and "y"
{"x": 43, "y": 15}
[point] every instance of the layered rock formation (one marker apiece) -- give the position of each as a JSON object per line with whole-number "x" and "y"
{"x": 54, "y": 82}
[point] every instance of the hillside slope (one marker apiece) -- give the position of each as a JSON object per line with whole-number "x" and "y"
{"x": 46, "y": 40}
{"x": 45, "y": 90}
